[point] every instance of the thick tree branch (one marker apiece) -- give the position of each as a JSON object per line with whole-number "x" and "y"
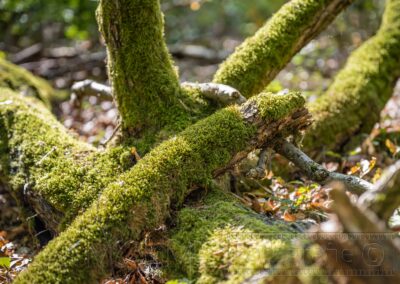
{"x": 352, "y": 104}
{"x": 260, "y": 58}
{"x": 21, "y": 80}
{"x": 140, "y": 199}
{"x": 317, "y": 172}
{"x": 53, "y": 174}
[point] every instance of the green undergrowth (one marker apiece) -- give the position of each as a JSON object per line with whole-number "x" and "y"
{"x": 219, "y": 240}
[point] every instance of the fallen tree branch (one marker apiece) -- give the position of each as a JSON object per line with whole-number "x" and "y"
{"x": 317, "y": 172}
{"x": 220, "y": 93}
{"x": 141, "y": 197}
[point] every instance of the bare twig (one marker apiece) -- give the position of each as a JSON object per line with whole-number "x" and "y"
{"x": 259, "y": 171}
{"x": 220, "y": 93}
{"x": 90, "y": 88}
{"x": 116, "y": 129}
{"x": 317, "y": 172}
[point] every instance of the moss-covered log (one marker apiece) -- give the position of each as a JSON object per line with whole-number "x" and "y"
{"x": 352, "y": 104}
{"x": 143, "y": 79}
{"x": 42, "y": 164}
{"x": 141, "y": 197}
{"x": 218, "y": 240}
{"x": 259, "y": 58}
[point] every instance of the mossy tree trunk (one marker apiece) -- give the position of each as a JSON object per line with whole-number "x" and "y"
{"x": 144, "y": 81}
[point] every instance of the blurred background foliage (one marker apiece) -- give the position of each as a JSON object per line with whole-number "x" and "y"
{"x": 200, "y": 33}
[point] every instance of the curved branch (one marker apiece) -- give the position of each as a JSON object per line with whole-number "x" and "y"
{"x": 259, "y": 58}
{"x": 317, "y": 172}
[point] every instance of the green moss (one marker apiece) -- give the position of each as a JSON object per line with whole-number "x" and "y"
{"x": 22, "y": 81}
{"x": 259, "y": 58}
{"x": 144, "y": 80}
{"x": 352, "y": 104}
{"x": 140, "y": 199}
{"x": 275, "y": 106}
{"x": 221, "y": 240}
{"x": 41, "y": 160}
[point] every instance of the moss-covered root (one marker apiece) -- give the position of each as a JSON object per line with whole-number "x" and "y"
{"x": 20, "y": 80}
{"x": 221, "y": 241}
{"x": 352, "y": 104}
{"x": 42, "y": 164}
{"x": 140, "y": 199}
{"x": 144, "y": 81}
{"x": 259, "y": 59}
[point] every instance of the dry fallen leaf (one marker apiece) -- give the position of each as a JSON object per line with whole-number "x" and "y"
{"x": 391, "y": 146}
{"x": 289, "y": 217}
